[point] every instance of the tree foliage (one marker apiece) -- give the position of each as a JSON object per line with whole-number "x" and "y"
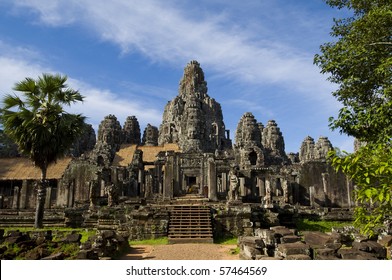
{"x": 38, "y": 124}
{"x": 371, "y": 170}
{"x": 359, "y": 61}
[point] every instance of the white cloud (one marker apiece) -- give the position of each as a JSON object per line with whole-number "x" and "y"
{"x": 166, "y": 31}
{"x": 18, "y": 63}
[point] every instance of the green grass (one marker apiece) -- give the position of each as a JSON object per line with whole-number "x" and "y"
{"x": 157, "y": 241}
{"x": 86, "y": 233}
{"x": 323, "y": 226}
{"x": 226, "y": 240}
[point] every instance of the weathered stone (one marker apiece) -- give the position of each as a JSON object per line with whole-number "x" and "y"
{"x": 316, "y": 239}
{"x": 131, "y": 131}
{"x": 56, "y": 256}
{"x": 150, "y": 136}
{"x": 372, "y": 247}
{"x": 354, "y": 254}
{"x": 267, "y": 258}
{"x": 249, "y": 252}
{"x": 248, "y": 148}
{"x": 322, "y": 147}
{"x": 324, "y": 254}
{"x": 298, "y": 257}
{"x": 87, "y": 255}
{"x": 273, "y": 143}
{"x": 72, "y": 238}
{"x": 193, "y": 120}
{"x": 267, "y": 236}
{"x": 290, "y": 239}
{"x": 284, "y": 250}
{"x": 85, "y": 143}
{"x": 385, "y": 241}
{"x": 253, "y": 241}
{"x": 14, "y": 239}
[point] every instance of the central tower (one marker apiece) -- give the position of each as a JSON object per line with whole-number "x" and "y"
{"x": 192, "y": 119}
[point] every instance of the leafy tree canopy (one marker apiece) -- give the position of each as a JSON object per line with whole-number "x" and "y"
{"x": 359, "y": 61}
{"x": 38, "y": 124}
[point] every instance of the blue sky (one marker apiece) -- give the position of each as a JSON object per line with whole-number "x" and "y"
{"x": 127, "y": 57}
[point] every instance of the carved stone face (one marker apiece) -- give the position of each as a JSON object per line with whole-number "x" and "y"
{"x": 192, "y": 133}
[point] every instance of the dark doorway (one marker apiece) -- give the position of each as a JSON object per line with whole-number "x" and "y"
{"x": 253, "y": 158}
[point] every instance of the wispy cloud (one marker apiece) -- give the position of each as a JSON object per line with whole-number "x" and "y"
{"x": 18, "y": 63}
{"x": 165, "y": 31}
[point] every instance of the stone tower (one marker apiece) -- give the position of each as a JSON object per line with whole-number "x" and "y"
{"x": 110, "y": 138}
{"x": 192, "y": 119}
{"x": 311, "y": 151}
{"x": 150, "y": 136}
{"x": 131, "y": 131}
{"x": 273, "y": 143}
{"x": 248, "y": 147}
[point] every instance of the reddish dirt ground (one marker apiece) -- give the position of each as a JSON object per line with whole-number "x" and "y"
{"x": 181, "y": 252}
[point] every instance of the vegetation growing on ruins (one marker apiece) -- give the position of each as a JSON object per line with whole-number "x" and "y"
{"x": 38, "y": 124}
{"x": 323, "y": 226}
{"x": 360, "y": 62}
{"x": 23, "y": 250}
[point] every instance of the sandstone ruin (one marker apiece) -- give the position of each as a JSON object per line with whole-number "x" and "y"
{"x": 189, "y": 158}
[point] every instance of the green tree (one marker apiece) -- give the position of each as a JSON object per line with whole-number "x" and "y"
{"x": 359, "y": 61}
{"x": 40, "y": 127}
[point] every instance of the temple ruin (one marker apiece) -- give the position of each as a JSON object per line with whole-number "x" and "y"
{"x": 188, "y": 159}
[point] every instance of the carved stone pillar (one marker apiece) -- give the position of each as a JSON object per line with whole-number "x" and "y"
{"x": 212, "y": 192}
{"x": 23, "y": 195}
{"x": 224, "y": 182}
{"x": 261, "y": 186}
{"x": 311, "y": 196}
{"x": 48, "y": 197}
{"x": 168, "y": 185}
{"x": 285, "y": 189}
{"x": 16, "y": 196}
{"x": 243, "y": 191}
{"x": 268, "y": 195}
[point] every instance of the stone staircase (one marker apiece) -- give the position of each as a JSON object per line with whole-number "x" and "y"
{"x": 190, "y": 224}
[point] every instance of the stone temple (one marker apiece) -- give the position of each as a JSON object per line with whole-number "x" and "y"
{"x": 188, "y": 159}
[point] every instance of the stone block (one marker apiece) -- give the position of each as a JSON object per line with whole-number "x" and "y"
{"x": 354, "y": 254}
{"x": 252, "y": 241}
{"x": 284, "y": 250}
{"x": 56, "y": 256}
{"x": 72, "y": 238}
{"x": 106, "y": 234}
{"x": 298, "y": 257}
{"x": 334, "y": 246}
{"x": 324, "y": 254}
{"x": 316, "y": 239}
{"x": 385, "y": 241}
{"x": 267, "y": 258}
{"x": 87, "y": 255}
{"x": 372, "y": 247}
{"x": 249, "y": 253}
{"x": 290, "y": 239}
{"x": 267, "y": 235}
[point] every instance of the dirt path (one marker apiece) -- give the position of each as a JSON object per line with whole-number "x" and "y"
{"x": 181, "y": 252}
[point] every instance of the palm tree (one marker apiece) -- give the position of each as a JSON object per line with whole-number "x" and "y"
{"x": 40, "y": 127}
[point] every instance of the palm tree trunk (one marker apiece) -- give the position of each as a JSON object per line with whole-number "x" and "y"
{"x": 41, "y": 197}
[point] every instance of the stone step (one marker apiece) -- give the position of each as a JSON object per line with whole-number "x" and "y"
{"x": 190, "y": 224}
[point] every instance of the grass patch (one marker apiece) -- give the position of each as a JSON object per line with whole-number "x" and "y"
{"x": 157, "y": 241}
{"x": 234, "y": 251}
{"x": 323, "y": 226}
{"x": 226, "y": 240}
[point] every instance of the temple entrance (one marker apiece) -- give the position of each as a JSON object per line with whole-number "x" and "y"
{"x": 192, "y": 184}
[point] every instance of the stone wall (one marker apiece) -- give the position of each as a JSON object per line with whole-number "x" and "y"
{"x": 320, "y": 185}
